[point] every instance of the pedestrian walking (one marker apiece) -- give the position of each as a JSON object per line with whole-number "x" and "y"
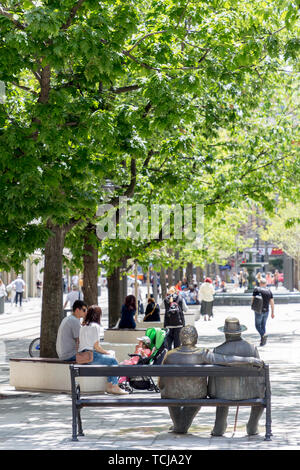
{"x": 3, "y": 294}
{"x": 10, "y": 288}
{"x": 19, "y": 285}
{"x": 258, "y": 279}
{"x": 241, "y": 279}
{"x": 261, "y": 317}
{"x": 75, "y": 294}
{"x": 206, "y": 297}
{"x": 276, "y": 279}
{"x": 38, "y": 288}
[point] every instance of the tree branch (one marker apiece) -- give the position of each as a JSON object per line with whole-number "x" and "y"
{"x": 130, "y": 188}
{"x": 25, "y": 88}
{"x": 124, "y": 89}
{"x": 10, "y": 16}
{"x": 143, "y": 64}
{"x": 72, "y": 15}
{"x": 146, "y": 36}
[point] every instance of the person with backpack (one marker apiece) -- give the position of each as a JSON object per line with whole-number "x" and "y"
{"x": 261, "y": 316}
{"x": 174, "y": 317}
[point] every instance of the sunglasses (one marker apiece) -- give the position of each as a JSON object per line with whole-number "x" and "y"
{"x": 84, "y": 309}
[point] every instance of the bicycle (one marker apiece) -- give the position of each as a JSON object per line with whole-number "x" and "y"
{"x": 34, "y": 348}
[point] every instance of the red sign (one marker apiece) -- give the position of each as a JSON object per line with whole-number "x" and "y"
{"x": 276, "y": 251}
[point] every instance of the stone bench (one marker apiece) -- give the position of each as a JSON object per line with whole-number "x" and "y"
{"x": 121, "y": 349}
{"x": 150, "y": 324}
{"x": 49, "y": 375}
{"x": 124, "y": 335}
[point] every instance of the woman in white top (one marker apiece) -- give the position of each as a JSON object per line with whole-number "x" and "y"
{"x": 89, "y": 340}
{"x": 206, "y": 296}
{"x": 3, "y": 292}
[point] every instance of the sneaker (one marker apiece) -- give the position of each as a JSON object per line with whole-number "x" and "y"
{"x": 263, "y": 340}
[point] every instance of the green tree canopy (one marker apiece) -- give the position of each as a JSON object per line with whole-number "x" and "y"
{"x": 160, "y": 97}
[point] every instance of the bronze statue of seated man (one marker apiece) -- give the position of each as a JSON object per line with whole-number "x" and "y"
{"x": 236, "y": 388}
{"x": 192, "y": 387}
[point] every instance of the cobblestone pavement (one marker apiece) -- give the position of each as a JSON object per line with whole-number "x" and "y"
{"x": 42, "y": 421}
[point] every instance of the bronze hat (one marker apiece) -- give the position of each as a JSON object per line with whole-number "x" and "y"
{"x": 232, "y": 326}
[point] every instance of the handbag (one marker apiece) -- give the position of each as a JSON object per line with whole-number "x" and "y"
{"x": 257, "y": 304}
{"x": 84, "y": 357}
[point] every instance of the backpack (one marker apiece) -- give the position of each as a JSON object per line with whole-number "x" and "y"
{"x": 257, "y": 304}
{"x": 173, "y": 316}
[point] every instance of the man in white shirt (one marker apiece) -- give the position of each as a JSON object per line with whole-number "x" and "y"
{"x": 72, "y": 296}
{"x": 68, "y": 333}
{"x": 19, "y": 285}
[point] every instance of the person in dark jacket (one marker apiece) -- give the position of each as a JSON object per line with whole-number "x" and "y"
{"x": 174, "y": 317}
{"x": 152, "y": 312}
{"x": 128, "y": 313}
{"x": 261, "y": 318}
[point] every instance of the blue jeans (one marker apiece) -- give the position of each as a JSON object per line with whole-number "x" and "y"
{"x": 105, "y": 360}
{"x": 260, "y": 322}
{"x": 72, "y": 359}
{"x": 19, "y": 296}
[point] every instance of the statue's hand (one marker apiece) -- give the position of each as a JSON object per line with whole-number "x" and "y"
{"x": 257, "y": 363}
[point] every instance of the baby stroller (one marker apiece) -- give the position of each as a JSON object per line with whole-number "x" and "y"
{"x": 158, "y": 340}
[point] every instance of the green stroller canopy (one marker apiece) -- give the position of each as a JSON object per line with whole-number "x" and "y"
{"x": 157, "y": 337}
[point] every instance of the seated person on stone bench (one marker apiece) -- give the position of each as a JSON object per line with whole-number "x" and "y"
{"x": 192, "y": 387}
{"x": 89, "y": 340}
{"x": 128, "y": 313}
{"x": 236, "y": 388}
{"x": 67, "y": 340}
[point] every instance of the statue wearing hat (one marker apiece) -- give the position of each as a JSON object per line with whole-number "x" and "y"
{"x": 192, "y": 387}
{"x": 236, "y": 388}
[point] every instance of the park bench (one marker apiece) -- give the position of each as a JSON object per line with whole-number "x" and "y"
{"x": 79, "y": 402}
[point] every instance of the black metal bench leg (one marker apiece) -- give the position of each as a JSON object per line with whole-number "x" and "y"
{"x": 80, "y": 430}
{"x": 268, "y": 424}
{"x": 268, "y": 406}
{"x": 74, "y": 407}
{"x": 74, "y": 423}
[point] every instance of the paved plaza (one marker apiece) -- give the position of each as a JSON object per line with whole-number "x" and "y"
{"x": 42, "y": 421}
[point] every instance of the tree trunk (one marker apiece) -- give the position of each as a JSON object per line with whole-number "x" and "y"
{"x": 124, "y": 283}
{"x": 189, "y": 273}
{"x": 52, "y": 302}
{"x": 170, "y": 277}
{"x": 155, "y": 292}
{"x": 163, "y": 282}
{"x": 114, "y": 297}
{"x": 199, "y": 275}
{"x": 90, "y": 266}
{"x": 177, "y": 272}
